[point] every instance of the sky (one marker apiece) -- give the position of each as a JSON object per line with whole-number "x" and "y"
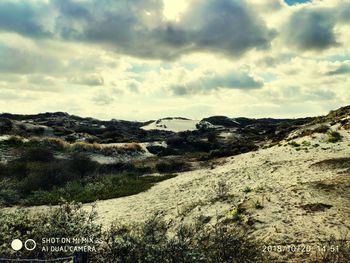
{"x": 294, "y": 2}
{"x": 147, "y": 59}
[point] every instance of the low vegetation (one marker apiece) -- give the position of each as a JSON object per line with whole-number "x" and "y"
{"x": 38, "y": 177}
{"x": 294, "y": 144}
{"x": 319, "y": 129}
{"x": 334, "y": 137}
{"x": 258, "y": 205}
{"x": 235, "y": 215}
{"x": 247, "y": 189}
{"x": 222, "y": 190}
{"x": 147, "y": 242}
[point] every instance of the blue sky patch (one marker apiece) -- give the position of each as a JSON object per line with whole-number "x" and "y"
{"x": 294, "y": 2}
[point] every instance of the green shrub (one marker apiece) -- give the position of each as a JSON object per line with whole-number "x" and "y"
{"x": 235, "y": 214}
{"x": 247, "y": 189}
{"x": 322, "y": 129}
{"x": 258, "y": 205}
{"x": 294, "y": 144}
{"x": 334, "y": 137}
{"x": 306, "y": 143}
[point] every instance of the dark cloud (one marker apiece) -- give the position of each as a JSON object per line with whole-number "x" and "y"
{"x": 24, "y": 17}
{"x": 311, "y": 29}
{"x": 343, "y": 69}
{"x": 136, "y": 27}
{"x": 214, "y": 82}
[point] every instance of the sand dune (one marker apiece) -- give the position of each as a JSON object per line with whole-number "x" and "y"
{"x": 172, "y": 124}
{"x": 303, "y": 199}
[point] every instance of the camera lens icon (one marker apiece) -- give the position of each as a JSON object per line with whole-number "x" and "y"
{"x": 29, "y": 245}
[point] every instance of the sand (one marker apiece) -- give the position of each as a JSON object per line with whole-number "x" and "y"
{"x": 174, "y": 125}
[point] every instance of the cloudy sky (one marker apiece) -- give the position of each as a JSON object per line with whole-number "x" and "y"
{"x": 145, "y": 59}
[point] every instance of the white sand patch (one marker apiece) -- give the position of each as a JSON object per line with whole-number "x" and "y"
{"x": 5, "y": 137}
{"x": 174, "y": 125}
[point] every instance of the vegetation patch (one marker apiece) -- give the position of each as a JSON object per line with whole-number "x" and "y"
{"x": 146, "y": 242}
{"x": 38, "y": 177}
{"x": 334, "y": 137}
{"x": 247, "y": 189}
{"x": 235, "y": 215}
{"x": 258, "y": 205}
{"x": 294, "y": 144}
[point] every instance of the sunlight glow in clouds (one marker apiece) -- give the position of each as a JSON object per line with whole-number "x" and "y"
{"x": 173, "y": 9}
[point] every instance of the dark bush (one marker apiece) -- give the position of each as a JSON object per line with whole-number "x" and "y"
{"x": 3, "y": 170}
{"x": 212, "y": 137}
{"x": 82, "y": 165}
{"x": 5, "y": 125}
{"x": 172, "y": 166}
{"x": 155, "y": 149}
{"x": 40, "y": 176}
{"x": 232, "y": 150}
{"x": 121, "y": 167}
{"x": 176, "y": 141}
{"x": 16, "y": 169}
{"x": 44, "y": 176}
{"x": 37, "y": 155}
{"x": 322, "y": 129}
{"x": 203, "y": 146}
{"x": 334, "y": 137}
{"x": 168, "y": 152}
